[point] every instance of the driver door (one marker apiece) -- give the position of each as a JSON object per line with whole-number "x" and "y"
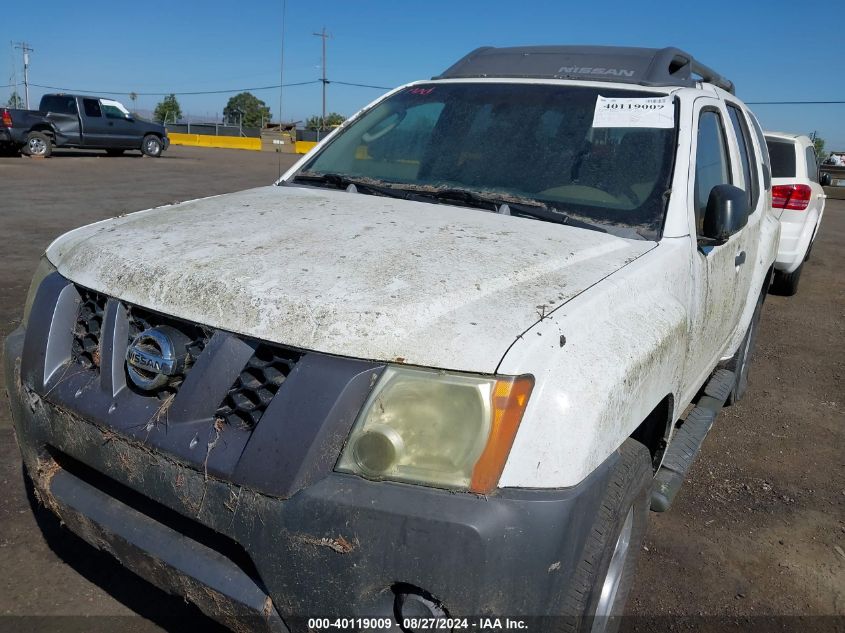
{"x": 122, "y": 133}
{"x": 718, "y": 268}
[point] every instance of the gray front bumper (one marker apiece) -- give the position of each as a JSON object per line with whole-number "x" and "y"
{"x": 339, "y": 546}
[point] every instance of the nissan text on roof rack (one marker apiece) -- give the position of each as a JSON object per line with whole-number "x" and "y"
{"x": 438, "y": 370}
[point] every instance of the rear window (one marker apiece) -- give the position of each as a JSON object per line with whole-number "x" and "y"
{"x": 782, "y": 155}
{"x": 59, "y": 104}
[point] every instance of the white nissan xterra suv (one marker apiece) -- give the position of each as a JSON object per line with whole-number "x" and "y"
{"x": 440, "y": 369}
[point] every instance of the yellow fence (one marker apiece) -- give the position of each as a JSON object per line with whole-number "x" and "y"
{"x": 208, "y": 140}
{"x": 229, "y": 142}
{"x": 303, "y": 147}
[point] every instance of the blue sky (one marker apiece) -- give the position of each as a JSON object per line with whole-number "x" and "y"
{"x": 772, "y": 51}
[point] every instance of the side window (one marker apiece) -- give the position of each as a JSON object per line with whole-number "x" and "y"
{"x": 764, "y": 151}
{"x": 812, "y": 165}
{"x": 112, "y": 112}
{"x": 92, "y": 107}
{"x": 712, "y": 165}
{"x": 747, "y": 156}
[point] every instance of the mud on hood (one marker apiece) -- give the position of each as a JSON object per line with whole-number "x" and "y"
{"x": 344, "y": 273}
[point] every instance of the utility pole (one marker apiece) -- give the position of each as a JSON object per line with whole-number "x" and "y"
{"x": 14, "y": 77}
{"x": 324, "y": 36}
{"x": 25, "y": 48}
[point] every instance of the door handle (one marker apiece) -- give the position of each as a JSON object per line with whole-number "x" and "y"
{"x": 739, "y": 260}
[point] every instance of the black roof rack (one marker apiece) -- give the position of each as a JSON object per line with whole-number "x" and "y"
{"x": 643, "y": 66}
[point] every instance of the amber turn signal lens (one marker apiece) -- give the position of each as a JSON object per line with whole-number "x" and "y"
{"x": 509, "y": 399}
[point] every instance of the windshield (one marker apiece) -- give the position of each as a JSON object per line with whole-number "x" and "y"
{"x": 520, "y": 142}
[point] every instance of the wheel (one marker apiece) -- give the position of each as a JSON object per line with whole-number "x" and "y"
{"x": 38, "y": 144}
{"x": 603, "y": 578}
{"x": 786, "y": 284}
{"x": 741, "y": 361}
{"x": 151, "y": 145}
{"x": 115, "y": 152}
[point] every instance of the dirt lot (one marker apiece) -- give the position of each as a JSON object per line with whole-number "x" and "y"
{"x": 759, "y": 529}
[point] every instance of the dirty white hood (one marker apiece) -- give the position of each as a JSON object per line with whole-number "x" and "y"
{"x": 344, "y": 273}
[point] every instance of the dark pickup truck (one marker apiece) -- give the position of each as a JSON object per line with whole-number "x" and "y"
{"x": 64, "y": 120}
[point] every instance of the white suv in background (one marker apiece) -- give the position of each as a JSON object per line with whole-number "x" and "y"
{"x": 798, "y": 201}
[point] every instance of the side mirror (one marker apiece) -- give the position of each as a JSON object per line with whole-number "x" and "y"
{"x": 130, "y": 118}
{"x": 825, "y": 179}
{"x": 727, "y": 213}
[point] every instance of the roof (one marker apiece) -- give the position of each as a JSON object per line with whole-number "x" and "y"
{"x": 71, "y": 94}
{"x": 787, "y": 136}
{"x": 642, "y": 66}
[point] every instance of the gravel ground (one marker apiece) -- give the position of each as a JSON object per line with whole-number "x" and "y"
{"x": 758, "y": 530}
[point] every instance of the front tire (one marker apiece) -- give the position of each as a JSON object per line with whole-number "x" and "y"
{"x": 38, "y": 144}
{"x": 603, "y": 579}
{"x": 151, "y": 146}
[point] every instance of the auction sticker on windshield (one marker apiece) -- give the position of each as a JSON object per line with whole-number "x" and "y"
{"x": 656, "y": 112}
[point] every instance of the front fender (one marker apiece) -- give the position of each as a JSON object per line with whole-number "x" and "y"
{"x": 601, "y": 362}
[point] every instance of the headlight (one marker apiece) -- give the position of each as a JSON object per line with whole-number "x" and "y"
{"x": 44, "y": 269}
{"x": 438, "y": 429}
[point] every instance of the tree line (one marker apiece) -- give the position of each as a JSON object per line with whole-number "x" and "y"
{"x": 244, "y": 109}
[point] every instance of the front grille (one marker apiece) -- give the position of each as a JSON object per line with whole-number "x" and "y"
{"x": 85, "y": 348}
{"x": 256, "y": 385}
{"x": 246, "y": 399}
{"x": 140, "y": 320}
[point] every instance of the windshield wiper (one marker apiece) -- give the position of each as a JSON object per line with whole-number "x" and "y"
{"x": 550, "y": 214}
{"x": 340, "y": 181}
{"x": 502, "y": 203}
{"x": 505, "y": 204}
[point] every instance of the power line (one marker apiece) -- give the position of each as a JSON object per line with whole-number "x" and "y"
{"x": 793, "y": 102}
{"x": 164, "y": 94}
{"x": 325, "y": 81}
{"x": 346, "y": 83}
{"x": 207, "y": 92}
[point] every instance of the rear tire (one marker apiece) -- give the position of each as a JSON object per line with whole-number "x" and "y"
{"x": 786, "y": 284}
{"x": 38, "y": 144}
{"x": 152, "y": 146}
{"x": 602, "y": 580}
